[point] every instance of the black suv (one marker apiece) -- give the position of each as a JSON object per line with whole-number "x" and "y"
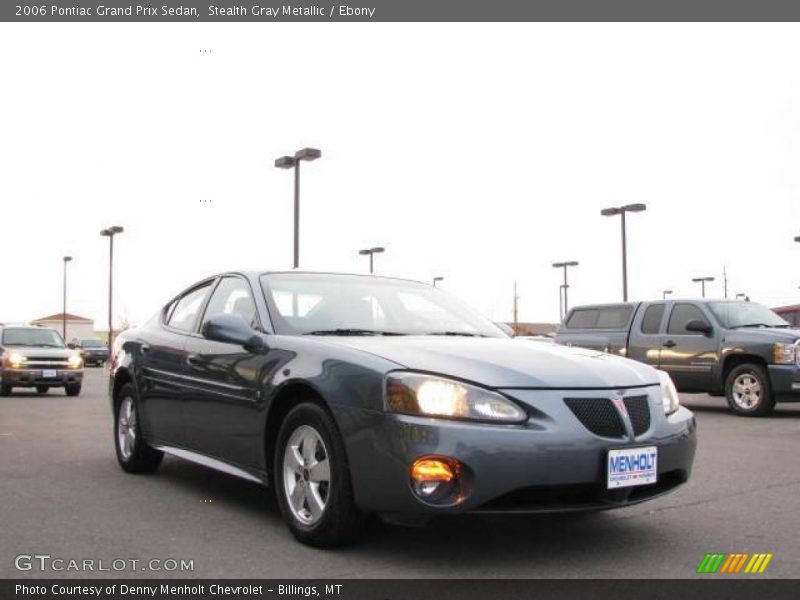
{"x": 93, "y": 351}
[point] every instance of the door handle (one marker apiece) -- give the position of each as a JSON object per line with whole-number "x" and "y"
{"x": 144, "y": 348}
{"x": 193, "y": 359}
{"x": 669, "y": 344}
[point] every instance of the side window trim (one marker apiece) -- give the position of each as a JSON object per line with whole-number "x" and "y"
{"x": 219, "y": 282}
{"x": 211, "y": 283}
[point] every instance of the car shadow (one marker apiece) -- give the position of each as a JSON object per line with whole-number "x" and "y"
{"x": 479, "y": 542}
{"x": 703, "y": 404}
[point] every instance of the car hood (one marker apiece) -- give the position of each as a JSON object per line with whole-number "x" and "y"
{"x": 768, "y": 334}
{"x": 42, "y": 352}
{"x": 507, "y": 363}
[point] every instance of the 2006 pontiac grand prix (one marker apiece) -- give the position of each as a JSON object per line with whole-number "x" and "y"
{"x": 356, "y": 394}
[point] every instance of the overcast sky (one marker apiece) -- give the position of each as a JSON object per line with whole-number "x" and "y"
{"x": 481, "y": 153}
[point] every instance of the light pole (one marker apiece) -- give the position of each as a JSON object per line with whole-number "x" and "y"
{"x": 565, "y": 285}
{"x": 621, "y": 211}
{"x": 288, "y": 162}
{"x": 437, "y": 280}
{"x": 665, "y": 293}
{"x": 372, "y": 252}
{"x": 66, "y": 259}
{"x": 110, "y": 233}
{"x": 702, "y": 281}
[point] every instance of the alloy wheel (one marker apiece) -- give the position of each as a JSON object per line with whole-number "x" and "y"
{"x": 747, "y": 391}
{"x": 306, "y": 474}
{"x": 126, "y": 428}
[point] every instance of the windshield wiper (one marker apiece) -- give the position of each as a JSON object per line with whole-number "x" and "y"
{"x": 459, "y": 333}
{"x": 352, "y": 331}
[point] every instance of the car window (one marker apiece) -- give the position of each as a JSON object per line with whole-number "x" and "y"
{"x": 584, "y": 318}
{"x": 184, "y": 315}
{"x": 232, "y": 297}
{"x": 651, "y": 322}
{"x": 614, "y": 317}
{"x": 681, "y": 315}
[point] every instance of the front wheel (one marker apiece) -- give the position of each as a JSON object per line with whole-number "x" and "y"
{"x": 133, "y": 453}
{"x": 748, "y": 391}
{"x": 73, "y": 389}
{"x": 312, "y": 479}
{"x": 5, "y": 389}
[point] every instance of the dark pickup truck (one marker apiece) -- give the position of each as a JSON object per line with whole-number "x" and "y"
{"x": 738, "y": 349}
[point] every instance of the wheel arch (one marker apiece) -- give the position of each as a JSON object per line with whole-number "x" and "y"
{"x": 735, "y": 360}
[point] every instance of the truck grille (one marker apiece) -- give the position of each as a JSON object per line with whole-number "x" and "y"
{"x": 598, "y": 415}
{"x": 639, "y": 413}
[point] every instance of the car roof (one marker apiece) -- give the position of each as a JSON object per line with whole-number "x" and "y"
{"x": 255, "y": 274}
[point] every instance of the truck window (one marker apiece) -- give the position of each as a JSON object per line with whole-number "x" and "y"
{"x": 615, "y": 317}
{"x": 582, "y": 319}
{"x": 651, "y": 322}
{"x": 681, "y": 315}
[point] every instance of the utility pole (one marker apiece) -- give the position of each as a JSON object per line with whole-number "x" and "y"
{"x": 725, "y": 281}
{"x": 516, "y": 298}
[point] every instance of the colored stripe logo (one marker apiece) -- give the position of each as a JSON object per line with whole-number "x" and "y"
{"x": 736, "y": 562}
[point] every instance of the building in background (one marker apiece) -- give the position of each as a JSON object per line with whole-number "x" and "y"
{"x": 77, "y": 327}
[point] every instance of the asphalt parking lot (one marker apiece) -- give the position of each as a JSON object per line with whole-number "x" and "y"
{"x": 64, "y": 495}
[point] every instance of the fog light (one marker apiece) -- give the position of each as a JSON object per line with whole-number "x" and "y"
{"x": 434, "y": 478}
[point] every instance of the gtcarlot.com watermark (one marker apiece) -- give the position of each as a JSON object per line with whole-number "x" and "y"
{"x": 46, "y": 562}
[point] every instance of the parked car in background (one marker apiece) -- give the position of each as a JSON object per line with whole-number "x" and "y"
{"x": 93, "y": 351}
{"x": 742, "y": 350}
{"x": 359, "y": 394}
{"x": 36, "y": 357}
{"x": 791, "y": 314}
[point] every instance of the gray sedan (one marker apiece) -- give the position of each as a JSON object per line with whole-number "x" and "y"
{"x": 356, "y": 395}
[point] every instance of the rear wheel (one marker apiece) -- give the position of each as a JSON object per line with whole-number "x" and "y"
{"x": 42, "y": 389}
{"x": 5, "y": 389}
{"x": 748, "y": 391}
{"x": 73, "y": 389}
{"x": 133, "y": 453}
{"x": 312, "y": 479}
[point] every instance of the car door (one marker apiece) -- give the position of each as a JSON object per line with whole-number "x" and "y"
{"x": 220, "y": 412}
{"x": 689, "y": 357}
{"x": 162, "y": 366}
{"x": 646, "y": 337}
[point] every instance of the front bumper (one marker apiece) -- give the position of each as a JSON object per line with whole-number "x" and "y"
{"x": 98, "y": 358}
{"x": 551, "y": 463}
{"x": 785, "y": 382}
{"x": 34, "y": 377}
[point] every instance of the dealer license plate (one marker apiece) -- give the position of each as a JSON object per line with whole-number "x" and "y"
{"x": 49, "y": 374}
{"x": 632, "y": 466}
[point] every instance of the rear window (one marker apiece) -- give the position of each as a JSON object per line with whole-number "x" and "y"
{"x": 651, "y": 323}
{"x": 609, "y": 317}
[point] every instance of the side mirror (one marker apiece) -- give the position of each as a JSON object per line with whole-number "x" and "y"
{"x": 699, "y": 326}
{"x": 233, "y": 329}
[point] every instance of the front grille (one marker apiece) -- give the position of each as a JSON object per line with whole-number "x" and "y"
{"x": 639, "y": 413}
{"x": 598, "y": 415}
{"x": 47, "y": 359}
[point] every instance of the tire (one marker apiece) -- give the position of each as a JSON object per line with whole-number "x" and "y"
{"x": 308, "y": 436}
{"x": 73, "y": 389}
{"x": 133, "y": 453}
{"x": 42, "y": 389}
{"x": 5, "y": 389}
{"x": 748, "y": 391}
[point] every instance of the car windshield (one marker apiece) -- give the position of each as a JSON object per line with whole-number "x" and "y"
{"x": 745, "y": 314}
{"x": 325, "y": 304}
{"x": 92, "y": 344}
{"x": 43, "y": 338}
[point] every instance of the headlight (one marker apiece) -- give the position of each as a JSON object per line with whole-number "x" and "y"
{"x": 16, "y": 360}
{"x": 669, "y": 394}
{"x": 75, "y": 360}
{"x": 418, "y": 394}
{"x": 785, "y": 354}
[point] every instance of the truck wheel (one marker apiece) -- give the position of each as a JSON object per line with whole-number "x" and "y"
{"x": 5, "y": 389}
{"x": 73, "y": 389}
{"x": 42, "y": 389}
{"x": 748, "y": 391}
{"x": 133, "y": 453}
{"x": 312, "y": 479}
